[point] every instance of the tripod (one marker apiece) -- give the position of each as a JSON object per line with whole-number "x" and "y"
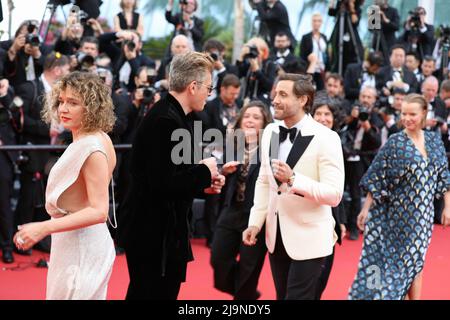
{"x": 344, "y": 18}
{"x": 380, "y": 43}
{"x": 444, "y": 63}
{"x": 51, "y": 6}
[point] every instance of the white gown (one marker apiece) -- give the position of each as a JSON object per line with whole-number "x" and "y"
{"x": 81, "y": 260}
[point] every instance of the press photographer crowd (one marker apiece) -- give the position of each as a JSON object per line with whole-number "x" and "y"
{"x": 364, "y": 95}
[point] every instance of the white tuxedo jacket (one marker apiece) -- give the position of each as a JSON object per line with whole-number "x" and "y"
{"x": 304, "y": 211}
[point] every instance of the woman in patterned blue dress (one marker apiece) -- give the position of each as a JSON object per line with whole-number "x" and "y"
{"x": 401, "y": 183}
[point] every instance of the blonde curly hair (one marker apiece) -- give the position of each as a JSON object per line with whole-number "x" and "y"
{"x": 94, "y": 95}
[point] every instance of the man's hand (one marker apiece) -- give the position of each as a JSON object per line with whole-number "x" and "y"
{"x": 281, "y": 171}
{"x": 211, "y": 163}
{"x": 19, "y": 42}
{"x": 249, "y": 235}
{"x": 35, "y": 51}
{"x": 216, "y": 186}
{"x": 129, "y": 54}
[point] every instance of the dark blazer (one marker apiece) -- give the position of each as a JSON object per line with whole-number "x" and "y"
{"x": 289, "y": 59}
{"x": 15, "y": 70}
{"x": 159, "y": 200}
{"x": 388, "y": 31}
{"x": 197, "y": 31}
{"x": 7, "y": 133}
{"x": 306, "y": 45}
{"x": 213, "y": 112}
{"x": 35, "y": 130}
{"x": 276, "y": 19}
{"x": 239, "y": 222}
{"x": 426, "y": 41}
{"x": 385, "y": 74}
{"x": 352, "y": 81}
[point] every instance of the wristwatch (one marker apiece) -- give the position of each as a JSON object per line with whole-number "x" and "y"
{"x": 290, "y": 182}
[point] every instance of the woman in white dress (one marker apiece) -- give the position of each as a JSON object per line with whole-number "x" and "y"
{"x": 77, "y": 199}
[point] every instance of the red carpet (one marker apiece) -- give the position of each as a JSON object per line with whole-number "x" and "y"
{"x": 26, "y": 282}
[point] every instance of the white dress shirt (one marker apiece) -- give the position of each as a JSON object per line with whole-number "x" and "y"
{"x": 286, "y": 145}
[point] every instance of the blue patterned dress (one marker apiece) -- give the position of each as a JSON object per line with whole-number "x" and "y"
{"x": 398, "y": 232}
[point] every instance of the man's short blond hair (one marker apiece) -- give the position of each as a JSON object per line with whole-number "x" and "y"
{"x": 185, "y": 68}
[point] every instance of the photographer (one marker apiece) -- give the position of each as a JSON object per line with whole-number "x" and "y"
{"x": 25, "y": 57}
{"x": 437, "y": 111}
{"x": 283, "y": 55}
{"x": 390, "y": 24}
{"x": 259, "y": 72}
{"x": 362, "y": 134}
{"x": 69, "y": 41}
{"x": 8, "y": 127}
{"x": 359, "y": 75}
{"x": 418, "y": 36}
{"x": 274, "y": 14}
{"x": 33, "y": 175}
{"x": 443, "y": 46}
{"x": 185, "y": 22}
{"x": 216, "y": 50}
{"x": 350, "y": 11}
{"x": 124, "y": 50}
{"x": 396, "y": 75}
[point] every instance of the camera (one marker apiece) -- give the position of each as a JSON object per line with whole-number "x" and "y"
{"x": 85, "y": 61}
{"x": 6, "y": 113}
{"x": 214, "y": 56}
{"x": 253, "y": 54}
{"x": 82, "y": 16}
{"x": 444, "y": 32}
{"x": 148, "y": 94}
{"x": 414, "y": 21}
{"x": 363, "y": 113}
{"x": 31, "y": 38}
{"x": 130, "y": 45}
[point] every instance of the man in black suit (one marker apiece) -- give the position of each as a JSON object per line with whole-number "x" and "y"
{"x": 315, "y": 43}
{"x": 283, "y": 54}
{"x": 418, "y": 36}
{"x": 396, "y": 75}
{"x": 390, "y": 23}
{"x": 363, "y": 74}
{"x": 274, "y": 14}
{"x": 7, "y": 160}
{"x": 30, "y": 206}
{"x": 186, "y": 23}
{"x": 165, "y": 177}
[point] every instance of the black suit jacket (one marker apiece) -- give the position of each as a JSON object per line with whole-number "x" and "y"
{"x": 276, "y": 19}
{"x": 388, "y": 31}
{"x": 385, "y": 74}
{"x": 159, "y": 200}
{"x": 213, "y": 113}
{"x": 197, "y": 31}
{"x": 35, "y": 130}
{"x": 426, "y": 41}
{"x": 352, "y": 81}
{"x": 306, "y": 45}
{"x": 7, "y": 133}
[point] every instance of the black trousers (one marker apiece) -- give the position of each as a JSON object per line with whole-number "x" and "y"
{"x": 237, "y": 277}
{"x": 354, "y": 171}
{"x": 325, "y": 274}
{"x": 294, "y": 280}
{"x": 146, "y": 282}
{"x": 6, "y": 214}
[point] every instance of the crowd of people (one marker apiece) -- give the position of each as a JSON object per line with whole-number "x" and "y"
{"x": 376, "y": 103}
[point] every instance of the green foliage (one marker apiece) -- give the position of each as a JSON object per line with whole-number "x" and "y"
{"x": 156, "y": 47}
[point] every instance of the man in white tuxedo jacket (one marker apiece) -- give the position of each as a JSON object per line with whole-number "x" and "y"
{"x": 301, "y": 178}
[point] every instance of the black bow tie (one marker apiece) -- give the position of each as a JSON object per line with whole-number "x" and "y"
{"x": 284, "y": 133}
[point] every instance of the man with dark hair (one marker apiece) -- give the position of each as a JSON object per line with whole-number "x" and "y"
{"x": 363, "y": 74}
{"x": 297, "y": 185}
{"x": 334, "y": 88}
{"x": 396, "y": 75}
{"x": 283, "y": 55}
{"x": 216, "y": 50}
{"x": 154, "y": 228}
{"x": 412, "y": 63}
{"x": 418, "y": 36}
